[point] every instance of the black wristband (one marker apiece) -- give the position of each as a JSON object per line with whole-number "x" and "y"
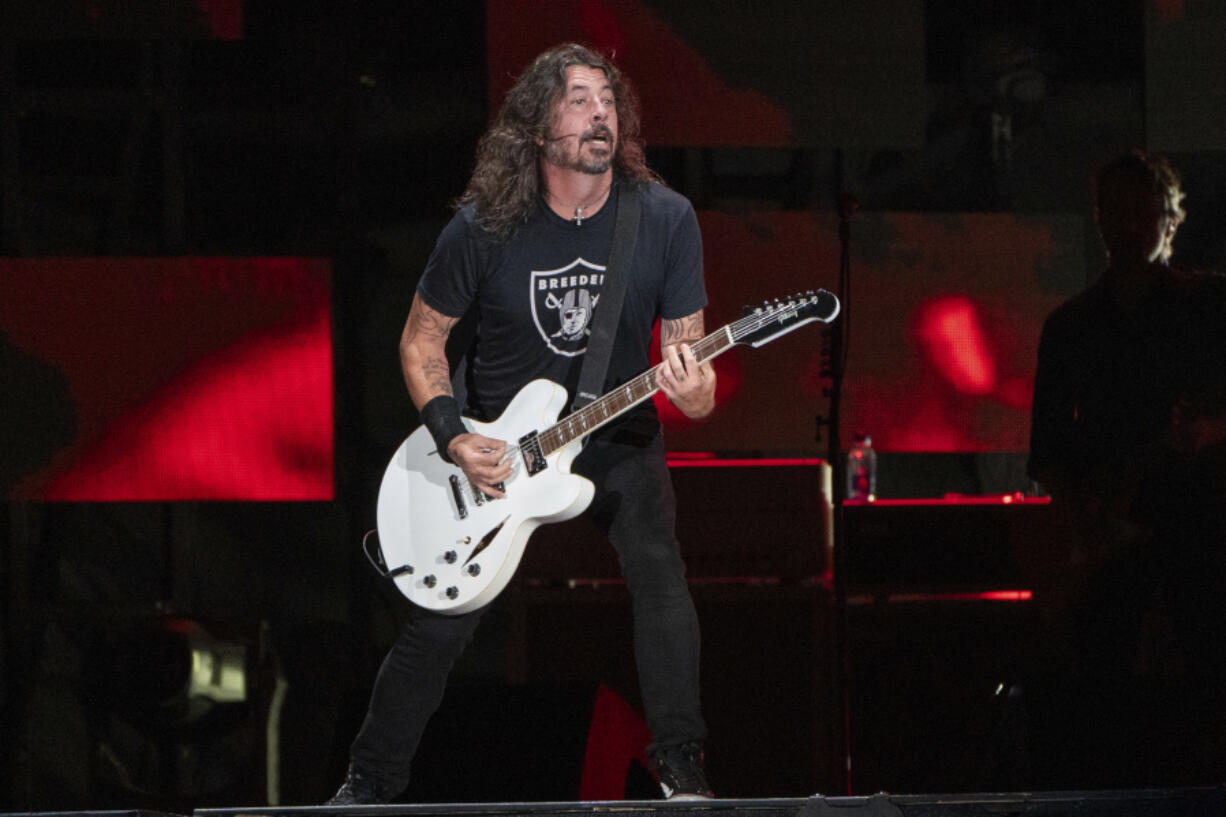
{"x": 441, "y": 416}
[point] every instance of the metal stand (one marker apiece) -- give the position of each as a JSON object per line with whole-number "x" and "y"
{"x": 835, "y": 354}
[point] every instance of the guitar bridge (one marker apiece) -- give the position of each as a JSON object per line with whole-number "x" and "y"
{"x": 530, "y": 450}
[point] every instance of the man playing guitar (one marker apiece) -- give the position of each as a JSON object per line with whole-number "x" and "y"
{"x": 528, "y": 249}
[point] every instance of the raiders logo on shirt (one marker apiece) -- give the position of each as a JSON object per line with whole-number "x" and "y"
{"x": 563, "y": 301}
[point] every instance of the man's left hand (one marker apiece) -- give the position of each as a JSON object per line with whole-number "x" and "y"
{"x": 689, "y": 385}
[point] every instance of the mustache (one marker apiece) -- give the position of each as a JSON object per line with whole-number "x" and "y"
{"x": 597, "y": 131}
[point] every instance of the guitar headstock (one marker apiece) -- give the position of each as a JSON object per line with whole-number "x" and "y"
{"x": 764, "y": 323}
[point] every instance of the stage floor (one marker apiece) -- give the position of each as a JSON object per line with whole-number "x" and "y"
{"x": 1183, "y": 802}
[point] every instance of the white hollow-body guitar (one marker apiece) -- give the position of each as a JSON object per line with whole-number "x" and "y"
{"x": 452, "y": 549}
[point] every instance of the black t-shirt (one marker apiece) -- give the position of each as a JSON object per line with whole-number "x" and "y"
{"x": 537, "y": 291}
{"x": 1107, "y": 378}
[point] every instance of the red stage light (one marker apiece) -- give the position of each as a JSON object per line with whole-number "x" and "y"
{"x": 157, "y": 379}
{"x": 951, "y": 333}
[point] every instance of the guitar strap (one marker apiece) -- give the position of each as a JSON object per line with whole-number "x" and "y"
{"x": 604, "y": 321}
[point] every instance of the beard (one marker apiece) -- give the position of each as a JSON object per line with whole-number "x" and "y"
{"x": 594, "y": 161}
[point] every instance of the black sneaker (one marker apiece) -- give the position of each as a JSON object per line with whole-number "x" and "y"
{"x": 359, "y": 790}
{"x": 679, "y": 769}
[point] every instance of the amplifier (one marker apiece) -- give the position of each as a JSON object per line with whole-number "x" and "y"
{"x": 752, "y": 519}
{"x": 958, "y": 543}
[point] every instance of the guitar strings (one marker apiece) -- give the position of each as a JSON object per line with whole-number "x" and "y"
{"x": 593, "y": 415}
{"x": 588, "y": 415}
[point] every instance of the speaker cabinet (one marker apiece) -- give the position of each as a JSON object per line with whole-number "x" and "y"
{"x": 760, "y": 519}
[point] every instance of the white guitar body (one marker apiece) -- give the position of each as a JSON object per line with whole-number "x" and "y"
{"x": 421, "y": 525}
{"x": 450, "y": 548}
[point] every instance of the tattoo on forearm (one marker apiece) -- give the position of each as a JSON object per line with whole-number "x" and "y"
{"x": 438, "y": 375}
{"x": 424, "y": 320}
{"x": 421, "y": 350}
{"x": 682, "y": 330}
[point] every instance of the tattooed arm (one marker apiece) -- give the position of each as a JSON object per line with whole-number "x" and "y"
{"x": 423, "y": 352}
{"x": 690, "y": 386}
{"x": 423, "y": 359}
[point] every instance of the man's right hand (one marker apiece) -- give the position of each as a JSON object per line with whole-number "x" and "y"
{"x": 483, "y": 460}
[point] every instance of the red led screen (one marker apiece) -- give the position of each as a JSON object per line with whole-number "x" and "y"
{"x": 166, "y": 379}
{"x": 945, "y": 313}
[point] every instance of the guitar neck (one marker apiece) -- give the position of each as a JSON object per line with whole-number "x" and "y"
{"x": 625, "y": 397}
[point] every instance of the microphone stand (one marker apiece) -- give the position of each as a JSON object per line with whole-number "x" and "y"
{"x": 835, "y": 365}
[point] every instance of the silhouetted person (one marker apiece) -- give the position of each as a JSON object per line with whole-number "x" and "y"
{"x": 1128, "y": 420}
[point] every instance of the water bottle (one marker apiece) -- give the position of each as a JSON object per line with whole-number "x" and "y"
{"x": 862, "y": 470}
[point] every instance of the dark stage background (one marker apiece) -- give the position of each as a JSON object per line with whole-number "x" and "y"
{"x": 212, "y": 217}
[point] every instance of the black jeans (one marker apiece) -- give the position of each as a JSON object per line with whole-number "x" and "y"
{"x": 634, "y": 504}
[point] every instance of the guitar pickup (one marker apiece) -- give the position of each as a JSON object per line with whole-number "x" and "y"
{"x": 481, "y": 497}
{"x": 530, "y": 451}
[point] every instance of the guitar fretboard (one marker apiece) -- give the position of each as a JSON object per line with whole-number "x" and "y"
{"x": 626, "y": 396}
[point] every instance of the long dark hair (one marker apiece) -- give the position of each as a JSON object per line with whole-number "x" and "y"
{"x": 506, "y": 181}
